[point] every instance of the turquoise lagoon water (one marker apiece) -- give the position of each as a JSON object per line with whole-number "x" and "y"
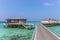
{"x": 55, "y": 29}
{"x": 16, "y": 33}
{"x": 23, "y": 34}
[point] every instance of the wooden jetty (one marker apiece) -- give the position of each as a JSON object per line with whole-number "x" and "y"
{"x": 43, "y": 33}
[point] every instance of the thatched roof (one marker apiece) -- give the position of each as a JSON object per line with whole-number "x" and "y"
{"x": 48, "y": 19}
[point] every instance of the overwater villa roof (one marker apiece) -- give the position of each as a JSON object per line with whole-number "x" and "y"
{"x": 48, "y": 19}
{"x": 15, "y": 18}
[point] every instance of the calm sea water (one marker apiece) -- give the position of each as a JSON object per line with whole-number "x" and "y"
{"x": 16, "y": 33}
{"x": 55, "y": 29}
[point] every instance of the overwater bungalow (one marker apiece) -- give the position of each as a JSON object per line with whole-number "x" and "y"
{"x": 16, "y": 22}
{"x": 48, "y": 21}
{"x": 58, "y": 21}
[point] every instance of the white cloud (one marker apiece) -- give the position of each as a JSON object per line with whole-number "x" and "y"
{"x": 52, "y": 3}
{"x": 48, "y": 4}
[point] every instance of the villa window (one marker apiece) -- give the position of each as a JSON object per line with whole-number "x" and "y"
{"x": 12, "y": 21}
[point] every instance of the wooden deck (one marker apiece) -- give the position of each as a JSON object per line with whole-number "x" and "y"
{"x": 42, "y": 33}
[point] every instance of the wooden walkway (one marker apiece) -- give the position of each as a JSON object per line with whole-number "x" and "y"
{"x": 42, "y": 33}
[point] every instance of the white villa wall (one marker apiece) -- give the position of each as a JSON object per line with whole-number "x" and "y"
{"x": 45, "y": 22}
{"x": 52, "y": 21}
{"x": 58, "y": 21}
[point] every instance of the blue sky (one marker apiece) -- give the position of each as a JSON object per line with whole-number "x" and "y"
{"x": 29, "y": 9}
